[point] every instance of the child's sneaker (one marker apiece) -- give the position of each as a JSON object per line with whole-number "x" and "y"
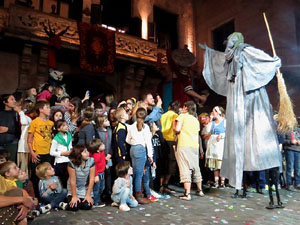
{"x": 152, "y": 198}
{"x": 124, "y": 208}
{"x": 165, "y": 196}
{"x": 114, "y": 204}
{"x": 155, "y": 194}
{"x": 99, "y": 205}
{"x": 46, "y": 208}
{"x": 63, "y": 205}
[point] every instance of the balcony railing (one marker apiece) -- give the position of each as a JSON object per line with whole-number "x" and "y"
{"x": 26, "y": 23}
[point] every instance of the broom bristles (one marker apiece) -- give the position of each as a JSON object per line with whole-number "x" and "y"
{"x": 287, "y": 120}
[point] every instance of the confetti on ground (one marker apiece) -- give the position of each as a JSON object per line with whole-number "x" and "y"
{"x": 110, "y": 217}
{"x": 143, "y": 221}
{"x": 142, "y": 209}
{"x": 51, "y": 221}
{"x": 235, "y": 216}
{"x": 249, "y": 209}
{"x": 167, "y": 205}
{"x": 224, "y": 221}
{"x": 108, "y": 213}
{"x": 243, "y": 206}
{"x": 215, "y": 221}
{"x": 171, "y": 207}
{"x": 147, "y": 214}
{"x": 251, "y": 221}
{"x": 230, "y": 207}
{"x": 217, "y": 210}
{"x": 261, "y": 219}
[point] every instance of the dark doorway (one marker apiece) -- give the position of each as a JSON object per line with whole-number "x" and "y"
{"x": 75, "y": 11}
{"x": 1, "y": 2}
{"x": 166, "y": 28}
{"x": 116, "y": 13}
{"x": 221, "y": 33}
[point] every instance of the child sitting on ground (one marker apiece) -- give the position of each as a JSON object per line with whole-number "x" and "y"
{"x": 122, "y": 188}
{"x": 81, "y": 169}
{"x": 17, "y": 178}
{"x": 50, "y": 188}
{"x": 96, "y": 149}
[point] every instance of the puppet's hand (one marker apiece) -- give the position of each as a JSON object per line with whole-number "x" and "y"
{"x": 203, "y": 46}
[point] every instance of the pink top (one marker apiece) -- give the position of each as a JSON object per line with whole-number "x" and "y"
{"x": 44, "y": 95}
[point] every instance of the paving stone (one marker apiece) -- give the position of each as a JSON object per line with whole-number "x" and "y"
{"x": 217, "y": 207}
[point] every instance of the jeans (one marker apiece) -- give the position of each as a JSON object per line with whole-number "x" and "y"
{"x": 125, "y": 199}
{"x": 146, "y": 181}
{"x": 292, "y": 163}
{"x": 138, "y": 157}
{"x": 99, "y": 188}
{"x": 55, "y": 198}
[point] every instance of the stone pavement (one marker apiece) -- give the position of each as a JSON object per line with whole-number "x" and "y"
{"x": 217, "y": 207}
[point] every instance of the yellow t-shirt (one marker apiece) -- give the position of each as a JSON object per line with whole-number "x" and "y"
{"x": 42, "y": 138}
{"x": 4, "y": 186}
{"x": 166, "y": 121}
{"x": 189, "y": 133}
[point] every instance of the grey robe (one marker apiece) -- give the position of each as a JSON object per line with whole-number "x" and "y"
{"x": 251, "y": 142}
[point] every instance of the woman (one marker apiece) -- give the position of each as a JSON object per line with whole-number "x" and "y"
{"x": 187, "y": 153}
{"x": 215, "y": 144}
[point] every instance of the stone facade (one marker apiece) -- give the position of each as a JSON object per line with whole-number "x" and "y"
{"x": 248, "y": 19}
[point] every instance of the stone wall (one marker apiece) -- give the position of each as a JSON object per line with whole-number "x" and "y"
{"x": 248, "y": 19}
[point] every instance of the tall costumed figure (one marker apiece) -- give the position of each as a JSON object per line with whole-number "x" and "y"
{"x": 241, "y": 74}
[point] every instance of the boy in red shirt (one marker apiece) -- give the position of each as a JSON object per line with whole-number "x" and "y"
{"x": 96, "y": 149}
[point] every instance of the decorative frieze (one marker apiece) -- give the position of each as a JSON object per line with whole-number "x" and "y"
{"x": 22, "y": 21}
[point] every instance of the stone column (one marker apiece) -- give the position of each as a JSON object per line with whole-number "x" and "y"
{"x": 42, "y": 67}
{"x": 25, "y": 67}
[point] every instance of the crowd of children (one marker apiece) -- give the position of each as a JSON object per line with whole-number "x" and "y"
{"x": 80, "y": 154}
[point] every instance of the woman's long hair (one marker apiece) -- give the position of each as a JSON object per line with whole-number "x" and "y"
{"x": 141, "y": 114}
{"x": 75, "y": 155}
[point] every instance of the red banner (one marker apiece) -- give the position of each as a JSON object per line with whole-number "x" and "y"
{"x": 97, "y": 48}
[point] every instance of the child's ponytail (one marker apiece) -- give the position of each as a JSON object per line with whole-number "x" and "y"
{"x": 140, "y": 117}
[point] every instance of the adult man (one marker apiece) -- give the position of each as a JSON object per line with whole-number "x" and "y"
{"x": 154, "y": 111}
{"x": 241, "y": 74}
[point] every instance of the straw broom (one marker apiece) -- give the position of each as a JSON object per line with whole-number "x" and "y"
{"x": 286, "y": 116}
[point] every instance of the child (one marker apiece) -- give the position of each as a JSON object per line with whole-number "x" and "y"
{"x": 96, "y": 149}
{"x": 122, "y": 188}
{"x": 139, "y": 137}
{"x": 39, "y": 139}
{"x": 45, "y": 92}
{"x": 17, "y": 178}
{"x": 10, "y": 171}
{"x": 119, "y": 135}
{"x": 31, "y": 94}
{"x": 81, "y": 169}
{"x": 23, "y": 150}
{"x": 292, "y": 154}
{"x": 87, "y": 131}
{"x": 60, "y": 148}
{"x": 58, "y": 92}
{"x": 57, "y": 115}
{"x": 105, "y": 134}
{"x": 50, "y": 188}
